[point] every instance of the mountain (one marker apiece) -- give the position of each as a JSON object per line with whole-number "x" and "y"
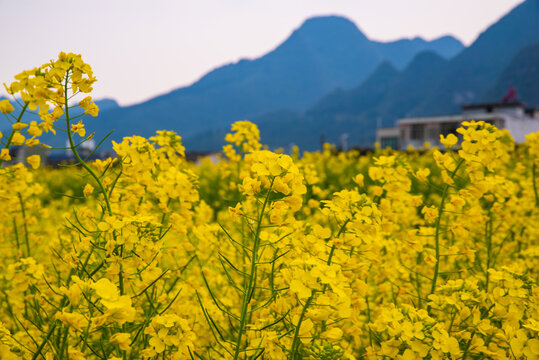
{"x": 428, "y": 85}
{"x": 401, "y": 52}
{"x": 354, "y": 115}
{"x": 328, "y": 119}
{"x": 522, "y": 74}
{"x": 271, "y": 127}
{"x": 386, "y": 94}
{"x": 345, "y": 115}
{"x": 106, "y": 104}
{"x": 323, "y": 54}
{"x": 475, "y": 70}
{"x": 350, "y": 101}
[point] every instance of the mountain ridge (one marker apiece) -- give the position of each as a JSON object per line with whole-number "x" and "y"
{"x": 435, "y": 87}
{"x": 477, "y": 67}
{"x": 321, "y": 55}
{"x": 522, "y": 74}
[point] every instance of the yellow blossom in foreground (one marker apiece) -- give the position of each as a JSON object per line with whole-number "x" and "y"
{"x": 84, "y": 103}
{"x": 34, "y": 129}
{"x": 448, "y": 141}
{"x": 422, "y": 174}
{"x": 34, "y": 161}
{"x": 6, "y": 107}
{"x": 90, "y": 107}
{"x": 92, "y": 110}
{"x": 430, "y": 212}
{"x": 4, "y": 155}
{"x": 359, "y": 179}
{"x": 74, "y": 320}
{"x": 18, "y": 139}
{"x": 88, "y": 189}
{"x": 18, "y": 126}
{"x": 79, "y": 128}
{"x": 122, "y": 340}
{"x": 31, "y": 142}
{"x": 106, "y": 290}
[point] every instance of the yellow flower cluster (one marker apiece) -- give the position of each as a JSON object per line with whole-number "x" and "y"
{"x": 46, "y": 89}
{"x": 263, "y": 255}
{"x": 44, "y": 86}
{"x": 245, "y": 137}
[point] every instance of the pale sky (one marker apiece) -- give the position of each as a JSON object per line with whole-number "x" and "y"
{"x": 139, "y": 49}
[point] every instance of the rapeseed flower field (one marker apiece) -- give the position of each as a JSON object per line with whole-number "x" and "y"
{"x": 428, "y": 254}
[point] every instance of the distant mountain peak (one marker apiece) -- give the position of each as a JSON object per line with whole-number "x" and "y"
{"x": 328, "y": 20}
{"x": 425, "y": 59}
{"x": 106, "y": 104}
{"x": 401, "y": 52}
{"x": 385, "y": 67}
{"x": 447, "y": 37}
{"x": 325, "y": 25}
{"x": 383, "y": 73}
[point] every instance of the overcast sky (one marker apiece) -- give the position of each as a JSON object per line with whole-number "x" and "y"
{"x": 139, "y": 49}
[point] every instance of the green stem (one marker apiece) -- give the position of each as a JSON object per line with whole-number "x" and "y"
{"x": 295, "y": 340}
{"x": 534, "y": 183}
{"x": 40, "y": 348}
{"x": 418, "y": 283}
{"x": 437, "y": 232}
{"x": 10, "y": 138}
{"x": 16, "y": 231}
{"x": 163, "y": 218}
{"x": 368, "y": 318}
{"x": 247, "y": 295}
{"x": 90, "y": 171}
{"x": 488, "y": 239}
{"x": 25, "y": 225}
{"x": 76, "y": 153}
{"x": 465, "y": 354}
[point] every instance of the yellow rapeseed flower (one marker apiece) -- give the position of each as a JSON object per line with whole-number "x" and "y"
{"x": 277, "y": 255}
{"x": 448, "y": 141}
{"x": 88, "y": 189}
{"x": 18, "y": 139}
{"x": 422, "y": 174}
{"x": 34, "y": 161}
{"x": 18, "y": 126}
{"x": 31, "y": 142}
{"x": 4, "y": 155}
{"x": 359, "y": 180}
{"x": 6, "y": 107}
{"x": 34, "y": 129}
{"x": 430, "y": 213}
{"x": 123, "y": 340}
{"x": 79, "y": 128}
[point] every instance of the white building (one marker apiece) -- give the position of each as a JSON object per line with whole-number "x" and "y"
{"x": 416, "y": 131}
